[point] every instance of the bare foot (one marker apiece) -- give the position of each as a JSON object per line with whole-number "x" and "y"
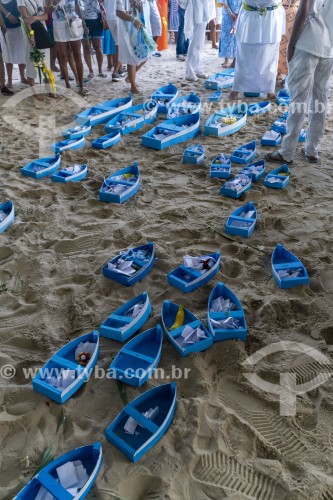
{"x": 271, "y": 96}
{"x": 37, "y": 96}
{"x": 25, "y": 81}
{"x": 53, "y": 96}
{"x": 135, "y": 90}
{"x": 127, "y": 80}
{"x": 233, "y": 95}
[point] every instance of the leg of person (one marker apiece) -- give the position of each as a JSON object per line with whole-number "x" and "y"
{"x": 194, "y": 65}
{"x": 201, "y": 35}
{"x": 9, "y": 68}
{"x": 97, "y": 44}
{"x": 62, "y": 51}
{"x": 212, "y": 27}
{"x": 4, "y": 89}
{"x": 22, "y": 73}
{"x": 180, "y": 47}
{"x": 110, "y": 62}
{"x": 76, "y": 49}
{"x": 87, "y": 56}
{"x": 113, "y": 27}
{"x": 131, "y": 70}
{"x": 53, "y": 58}
{"x": 71, "y": 62}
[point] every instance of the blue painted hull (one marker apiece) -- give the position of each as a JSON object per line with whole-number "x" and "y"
{"x": 283, "y": 98}
{"x": 174, "y": 125}
{"x": 184, "y": 105}
{"x": 235, "y": 194}
{"x": 235, "y": 219}
{"x": 139, "y": 275}
{"x": 214, "y": 84}
{"x": 281, "y": 181}
{"x": 107, "y": 141}
{"x": 50, "y": 164}
{"x": 8, "y": 209}
{"x": 76, "y": 132}
{"x": 214, "y": 124}
{"x": 133, "y": 119}
{"x": 164, "y": 97}
{"x": 244, "y": 154}
{"x": 132, "y": 188}
{"x": 67, "y": 144}
{"x": 65, "y": 176}
{"x": 104, "y": 111}
{"x": 270, "y": 142}
{"x": 283, "y": 260}
{"x": 188, "y": 280}
{"x": 258, "y": 108}
{"x": 255, "y": 177}
{"x": 194, "y": 155}
{"x": 215, "y": 97}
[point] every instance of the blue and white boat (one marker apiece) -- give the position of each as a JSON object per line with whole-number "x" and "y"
{"x": 194, "y": 154}
{"x": 184, "y": 330}
{"x": 237, "y": 186}
{"x": 78, "y": 131}
{"x": 226, "y": 121}
{"x": 164, "y": 97}
{"x": 287, "y": 269}
{"x": 107, "y": 141}
{"x": 184, "y": 105}
{"x": 139, "y": 358}
{"x": 244, "y": 154}
{"x": 127, "y": 319}
{"x": 172, "y": 132}
{"x": 42, "y": 167}
{"x": 104, "y": 111}
{"x": 242, "y": 221}
{"x": 258, "y": 108}
{"x": 68, "y": 369}
{"x": 73, "y": 173}
{"x": 121, "y": 185}
{"x": 71, "y": 144}
{"x": 7, "y": 215}
{"x": 131, "y": 266}
{"x": 278, "y": 178}
{"x": 302, "y": 136}
{"x": 283, "y": 98}
{"x": 142, "y": 423}
{"x": 256, "y": 170}
{"x": 68, "y": 477}
{"x": 222, "y": 80}
{"x": 271, "y": 138}
{"x": 195, "y": 272}
{"x": 216, "y": 96}
{"x": 132, "y": 119}
{"x": 221, "y": 167}
{"x": 226, "y": 319}
{"x": 280, "y": 125}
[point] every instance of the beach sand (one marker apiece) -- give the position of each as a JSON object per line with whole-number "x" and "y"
{"x": 227, "y": 439}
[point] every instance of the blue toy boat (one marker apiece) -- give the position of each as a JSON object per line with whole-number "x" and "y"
{"x": 68, "y": 369}
{"x": 137, "y": 360}
{"x": 42, "y": 167}
{"x": 302, "y": 136}
{"x": 288, "y": 270}
{"x": 131, "y": 266}
{"x": 172, "y": 132}
{"x": 242, "y": 221}
{"x": 194, "y": 154}
{"x": 184, "y": 330}
{"x": 78, "y": 131}
{"x": 221, "y": 167}
{"x": 244, "y": 154}
{"x": 74, "y": 173}
{"x": 127, "y": 319}
{"x": 164, "y": 97}
{"x": 271, "y": 138}
{"x": 283, "y": 98}
{"x": 254, "y": 94}
{"x": 237, "y": 186}
{"x": 226, "y": 318}
{"x": 280, "y": 125}
{"x": 107, "y": 141}
{"x": 132, "y": 119}
{"x": 222, "y": 80}
{"x": 216, "y": 96}
{"x": 104, "y": 111}
{"x": 184, "y": 105}
{"x": 278, "y": 178}
{"x": 7, "y": 215}
{"x": 78, "y": 467}
{"x": 142, "y": 423}
{"x": 226, "y": 121}
{"x": 121, "y": 185}
{"x": 258, "y": 108}
{"x": 71, "y": 144}
{"x": 188, "y": 278}
{"x": 256, "y": 170}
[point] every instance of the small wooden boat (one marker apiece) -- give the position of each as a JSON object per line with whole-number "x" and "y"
{"x": 242, "y": 221}
{"x": 237, "y": 186}
{"x": 302, "y": 136}
{"x": 137, "y": 360}
{"x": 164, "y": 97}
{"x": 184, "y": 105}
{"x": 77, "y": 131}
{"x": 42, "y": 167}
{"x": 188, "y": 278}
{"x": 283, "y": 98}
{"x": 131, "y": 266}
{"x": 132, "y": 119}
{"x": 254, "y": 94}
{"x": 258, "y": 108}
{"x": 288, "y": 270}
{"x": 104, "y": 111}
{"x": 108, "y": 140}
{"x": 68, "y": 369}
{"x": 172, "y": 132}
{"x": 121, "y": 185}
{"x": 222, "y": 80}
{"x": 7, "y": 215}
{"x": 74, "y": 173}
{"x": 216, "y": 96}
{"x": 71, "y": 144}
{"x": 68, "y": 477}
{"x": 280, "y": 125}
{"x": 278, "y": 178}
{"x": 226, "y": 121}
{"x": 256, "y": 170}
{"x": 127, "y": 319}
{"x": 184, "y": 330}
{"x": 271, "y": 138}
{"x": 194, "y": 154}
{"x": 221, "y": 167}
{"x": 142, "y": 423}
{"x": 244, "y": 154}
{"x": 226, "y": 318}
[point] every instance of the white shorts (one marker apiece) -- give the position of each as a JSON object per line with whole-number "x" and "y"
{"x": 113, "y": 27}
{"x": 155, "y": 19}
{"x": 61, "y": 32}
{"x": 218, "y": 18}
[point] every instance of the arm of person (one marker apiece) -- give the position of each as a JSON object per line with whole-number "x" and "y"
{"x": 128, "y": 17}
{"x": 24, "y": 16}
{"x": 12, "y": 19}
{"x": 301, "y": 17}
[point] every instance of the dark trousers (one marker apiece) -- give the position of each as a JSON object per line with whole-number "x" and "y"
{"x": 182, "y": 42}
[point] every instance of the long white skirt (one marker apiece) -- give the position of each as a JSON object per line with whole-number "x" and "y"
{"x": 13, "y": 46}
{"x": 256, "y": 67}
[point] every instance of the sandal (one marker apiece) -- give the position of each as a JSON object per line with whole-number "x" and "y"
{"x": 84, "y": 91}
{"x": 90, "y": 76}
{"x": 277, "y": 158}
{"x": 102, "y": 75}
{"x": 310, "y": 159}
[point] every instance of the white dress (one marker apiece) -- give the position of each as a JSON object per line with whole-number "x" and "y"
{"x": 12, "y": 44}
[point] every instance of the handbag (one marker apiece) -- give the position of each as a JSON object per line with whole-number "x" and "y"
{"x": 43, "y": 39}
{"x": 75, "y": 27}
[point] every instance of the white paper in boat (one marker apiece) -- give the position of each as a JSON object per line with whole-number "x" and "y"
{"x": 74, "y": 169}
{"x": 43, "y": 494}
{"x": 222, "y": 305}
{"x": 271, "y": 135}
{"x": 2, "y": 215}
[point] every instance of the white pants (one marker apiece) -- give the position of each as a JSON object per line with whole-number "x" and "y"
{"x": 194, "y": 64}
{"x": 309, "y": 86}
{"x": 113, "y": 27}
{"x": 155, "y": 19}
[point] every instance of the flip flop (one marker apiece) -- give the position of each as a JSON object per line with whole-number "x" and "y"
{"x": 277, "y": 158}
{"x": 310, "y": 159}
{"x": 102, "y": 75}
{"x": 84, "y": 91}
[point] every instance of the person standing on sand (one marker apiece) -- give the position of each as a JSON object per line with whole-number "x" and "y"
{"x": 228, "y": 41}
{"x": 310, "y": 59}
{"x": 182, "y": 42}
{"x": 291, "y": 7}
